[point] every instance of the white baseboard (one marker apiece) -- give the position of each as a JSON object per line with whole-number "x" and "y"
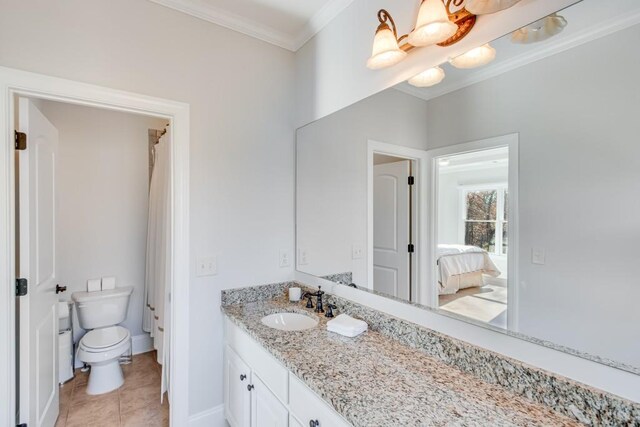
{"x": 213, "y": 417}
{"x": 141, "y": 343}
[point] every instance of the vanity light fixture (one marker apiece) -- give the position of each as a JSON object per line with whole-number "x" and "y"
{"x": 540, "y": 30}
{"x": 484, "y": 7}
{"x": 436, "y": 24}
{"x": 386, "y": 51}
{"x": 476, "y": 57}
{"x": 427, "y": 78}
{"x": 439, "y": 22}
{"x": 433, "y": 24}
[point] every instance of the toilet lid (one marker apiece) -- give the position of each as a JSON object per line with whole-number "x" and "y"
{"x": 105, "y": 337}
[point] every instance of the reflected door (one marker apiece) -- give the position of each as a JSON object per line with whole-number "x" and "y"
{"x": 391, "y": 229}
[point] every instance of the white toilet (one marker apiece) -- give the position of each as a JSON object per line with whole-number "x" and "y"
{"x": 101, "y": 347}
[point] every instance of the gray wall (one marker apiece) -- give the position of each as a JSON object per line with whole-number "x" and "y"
{"x": 577, "y": 114}
{"x": 241, "y": 96}
{"x": 332, "y": 177}
{"x": 102, "y": 199}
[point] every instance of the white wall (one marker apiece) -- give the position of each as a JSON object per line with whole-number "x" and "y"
{"x": 241, "y": 96}
{"x": 579, "y": 172}
{"x": 331, "y": 195}
{"x": 102, "y": 195}
{"x": 330, "y": 68}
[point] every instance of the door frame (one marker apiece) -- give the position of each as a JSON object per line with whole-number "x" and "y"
{"x": 15, "y": 83}
{"x": 420, "y": 255}
{"x": 511, "y": 141}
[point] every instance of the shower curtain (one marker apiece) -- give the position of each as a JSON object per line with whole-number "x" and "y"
{"x": 157, "y": 311}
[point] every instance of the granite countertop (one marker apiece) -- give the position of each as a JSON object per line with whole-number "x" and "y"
{"x": 374, "y": 380}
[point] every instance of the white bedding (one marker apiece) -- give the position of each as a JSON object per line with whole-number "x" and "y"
{"x": 456, "y": 261}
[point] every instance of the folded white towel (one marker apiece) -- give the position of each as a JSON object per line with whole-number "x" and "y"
{"x": 93, "y": 285}
{"x": 108, "y": 283}
{"x": 345, "y": 332}
{"x": 347, "y": 325}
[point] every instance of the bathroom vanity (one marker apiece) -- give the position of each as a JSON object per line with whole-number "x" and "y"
{"x": 397, "y": 373}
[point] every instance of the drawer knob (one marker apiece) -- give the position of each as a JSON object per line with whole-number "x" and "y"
{"x": 250, "y": 387}
{"x": 314, "y": 423}
{"x": 242, "y": 377}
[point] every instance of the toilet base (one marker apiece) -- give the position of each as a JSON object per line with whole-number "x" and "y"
{"x": 105, "y": 377}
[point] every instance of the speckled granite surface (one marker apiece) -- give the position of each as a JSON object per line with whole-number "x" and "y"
{"x": 544, "y": 343}
{"x": 343, "y": 278}
{"x": 415, "y": 376}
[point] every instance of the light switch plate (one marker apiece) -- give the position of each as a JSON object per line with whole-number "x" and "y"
{"x": 207, "y": 266}
{"x": 285, "y": 259}
{"x": 357, "y": 252}
{"x": 537, "y": 256}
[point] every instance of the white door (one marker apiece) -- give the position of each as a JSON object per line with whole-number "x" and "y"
{"x": 266, "y": 409}
{"x": 293, "y": 422}
{"x": 37, "y": 311}
{"x": 237, "y": 397}
{"x": 391, "y": 232}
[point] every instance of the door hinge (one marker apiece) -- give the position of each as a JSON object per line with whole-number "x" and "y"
{"x": 21, "y": 140}
{"x": 411, "y": 248}
{"x": 412, "y": 180}
{"x": 21, "y": 287}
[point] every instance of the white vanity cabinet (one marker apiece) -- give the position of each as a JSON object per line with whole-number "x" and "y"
{"x": 260, "y": 392}
{"x": 266, "y": 409}
{"x": 237, "y": 398}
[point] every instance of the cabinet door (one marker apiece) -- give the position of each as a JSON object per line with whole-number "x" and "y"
{"x": 309, "y": 408}
{"x": 237, "y": 397}
{"x": 266, "y": 409}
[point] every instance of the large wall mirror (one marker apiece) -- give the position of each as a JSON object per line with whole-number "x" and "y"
{"x": 506, "y": 195}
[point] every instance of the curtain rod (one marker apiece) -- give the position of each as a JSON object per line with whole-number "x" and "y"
{"x": 163, "y": 132}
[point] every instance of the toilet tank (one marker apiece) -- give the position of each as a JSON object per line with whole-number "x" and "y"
{"x": 100, "y": 309}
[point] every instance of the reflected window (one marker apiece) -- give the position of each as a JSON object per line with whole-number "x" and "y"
{"x": 484, "y": 218}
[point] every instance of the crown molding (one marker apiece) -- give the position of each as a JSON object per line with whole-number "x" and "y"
{"x": 608, "y": 27}
{"x": 258, "y": 30}
{"x": 319, "y": 20}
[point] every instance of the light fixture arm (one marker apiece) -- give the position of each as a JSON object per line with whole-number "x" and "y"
{"x": 384, "y": 17}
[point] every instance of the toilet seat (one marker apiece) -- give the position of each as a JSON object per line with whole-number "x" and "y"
{"x": 103, "y": 338}
{"x": 101, "y": 345}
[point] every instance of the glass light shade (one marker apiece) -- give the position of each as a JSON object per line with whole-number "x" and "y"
{"x": 427, "y": 78}
{"x": 386, "y": 51}
{"x": 433, "y": 25}
{"x": 475, "y": 57}
{"x": 540, "y": 30}
{"x": 484, "y": 7}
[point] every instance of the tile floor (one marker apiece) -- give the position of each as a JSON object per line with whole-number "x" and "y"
{"x": 136, "y": 403}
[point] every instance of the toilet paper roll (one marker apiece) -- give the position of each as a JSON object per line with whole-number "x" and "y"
{"x": 93, "y": 285}
{"x": 108, "y": 283}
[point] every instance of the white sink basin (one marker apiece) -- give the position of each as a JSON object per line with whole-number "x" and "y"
{"x": 289, "y": 321}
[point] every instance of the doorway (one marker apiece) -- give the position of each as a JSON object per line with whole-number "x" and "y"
{"x": 395, "y": 224}
{"x": 16, "y": 84}
{"x": 474, "y": 202}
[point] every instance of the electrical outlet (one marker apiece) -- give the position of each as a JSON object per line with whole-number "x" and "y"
{"x": 537, "y": 256}
{"x": 285, "y": 259}
{"x": 207, "y": 266}
{"x": 357, "y": 252}
{"x": 303, "y": 258}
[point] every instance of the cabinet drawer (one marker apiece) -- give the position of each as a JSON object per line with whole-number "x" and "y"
{"x": 271, "y": 372}
{"x": 307, "y": 406}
